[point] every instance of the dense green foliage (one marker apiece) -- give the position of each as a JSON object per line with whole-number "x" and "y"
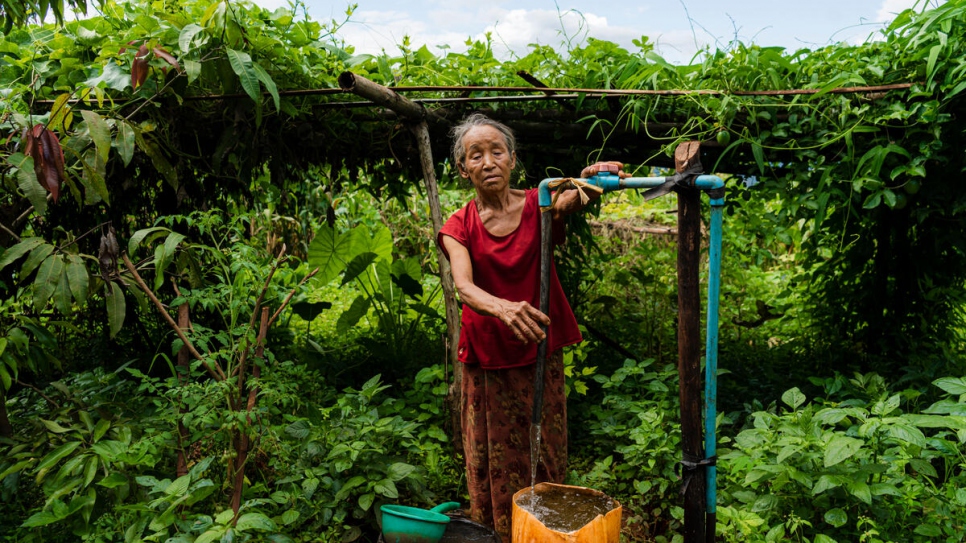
{"x": 207, "y": 142}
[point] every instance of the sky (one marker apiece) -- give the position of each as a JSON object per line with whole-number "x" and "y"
{"x": 678, "y": 28}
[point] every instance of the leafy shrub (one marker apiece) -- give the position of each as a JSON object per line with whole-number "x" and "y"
{"x": 861, "y": 469}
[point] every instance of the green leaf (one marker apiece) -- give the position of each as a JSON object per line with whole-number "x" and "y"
{"x": 840, "y": 448}
{"x": 100, "y": 135}
{"x": 793, "y": 398}
{"x": 112, "y": 77}
{"x": 48, "y": 275}
{"x": 78, "y": 278}
{"x": 169, "y": 249}
{"x": 57, "y": 454}
{"x": 266, "y": 80}
{"x": 62, "y": 292}
{"x": 187, "y": 36}
{"x": 952, "y": 385}
{"x": 929, "y": 530}
{"x": 254, "y": 521}
{"x": 42, "y": 518}
{"x": 351, "y": 316}
{"x": 290, "y": 516}
{"x": 27, "y": 180}
{"x": 329, "y": 252}
{"x": 378, "y": 241}
{"x": 125, "y": 141}
{"x": 5, "y": 381}
{"x": 365, "y": 501}
{"x": 36, "y": 257}
{"x": 113, "y": 480}
{"x": 860, "y": 490}
{"x": 241, "y": 64}
{"x": 140, "y": 235}
{"x": 836, "y": 517}
{"x": 116, "y": 308}
{"x": 387, "y": 489}
{"x": 213, "y": 534}
{"x": 399, "y": 471}
{"x": 11, "y": 254}
{"x": 179, "y": 486}
{"x": 357, "y": 266}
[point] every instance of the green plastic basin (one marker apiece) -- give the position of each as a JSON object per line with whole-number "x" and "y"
{"x": 402, "y": 524}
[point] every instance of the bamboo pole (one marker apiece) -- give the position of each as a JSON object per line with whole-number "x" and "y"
{"x": 686, "y": 156}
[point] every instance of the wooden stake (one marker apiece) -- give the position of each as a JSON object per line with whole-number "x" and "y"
{"x": 686, "y": 156}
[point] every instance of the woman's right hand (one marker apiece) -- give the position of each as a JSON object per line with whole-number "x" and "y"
{"x": 524, "y": 320}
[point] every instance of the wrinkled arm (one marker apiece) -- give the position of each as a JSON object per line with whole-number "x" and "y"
{"x": 523, "y": 319}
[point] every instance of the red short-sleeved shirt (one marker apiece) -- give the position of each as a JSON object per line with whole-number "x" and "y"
{"x": 507, "y": 267}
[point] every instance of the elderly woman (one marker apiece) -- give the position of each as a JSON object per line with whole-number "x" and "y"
{"x": 493, "y": 245}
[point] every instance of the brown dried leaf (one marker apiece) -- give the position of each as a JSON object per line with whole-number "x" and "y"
{"x": 53, "y": 163}
{"x": 159, "y": 51}
{"x": 139, "y": 67}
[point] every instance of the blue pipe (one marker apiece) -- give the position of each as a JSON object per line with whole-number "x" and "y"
{"x": 610, "y": 182}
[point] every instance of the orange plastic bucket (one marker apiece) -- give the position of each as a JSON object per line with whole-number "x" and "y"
{"x": 603, "y": 517}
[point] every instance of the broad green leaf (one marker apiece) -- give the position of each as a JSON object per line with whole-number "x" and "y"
{"x": 5, "y": 381}
{"x": 822, "y": 538}
{"x": 860, "y": 490}
{"x": 266, "y": 80}
{"x": 78, "y": 278}
{"x": 90, "y": 471}
{"x": 358, "y": 265}
{"x": 113, "y": 480}
{"x": 35, "y": 258}
{"x": 169, "y": 249}
{"x": 254, "y": 521}
{"x": 329, "y": 252}
{"x": 952, "y": 385}
{"x": 42, "y": 518}
{"x": 193, "y": 69}
{"x": 140, "y": 235}
{"x": 59, "y": 113}
{"x": 12, "y": 253}
{"x": 836, "y": 517}
{"x": 179, "y": 486}
{"x": 241, "y": 64}
{"x": 213, "y": 534}
{"x": 387, "y": 489}
{"x": 57, "y": 454}
{"x": 112, "y": 77}
{"x": 48, "y": 275}
{"x": 840, "y": 448}
{"x": 351, "y": 316}
{"x": 100, "y": 134}
{"x": 61, "y": 294}
{"x": 27, "y": 180}
{"x": 929, "y": 530}
{"x": 116, "y": 308}
{"x": 399, "y": 471}
{"x": 378, "y": 241}
{"x": 187, "y": 36}
{"x": 124, "y": 141}
{"x": 290, "y": 516}
{"x": 793, "y": 398}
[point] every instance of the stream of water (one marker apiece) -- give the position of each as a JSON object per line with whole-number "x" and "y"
{"x": 534, "y": 453}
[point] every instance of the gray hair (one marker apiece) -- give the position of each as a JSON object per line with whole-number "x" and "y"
{"x": 473, "y": 121}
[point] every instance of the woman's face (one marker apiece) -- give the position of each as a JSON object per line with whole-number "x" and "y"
{"x": 488, "y": 161}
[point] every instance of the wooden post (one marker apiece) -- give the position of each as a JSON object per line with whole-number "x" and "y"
{"x": 416, "y": 115}
{"x": 686, "y": 156}
{"x": 184, "y": 372}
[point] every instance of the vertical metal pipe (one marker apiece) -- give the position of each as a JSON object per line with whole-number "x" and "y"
{"x": 711, "y": 365}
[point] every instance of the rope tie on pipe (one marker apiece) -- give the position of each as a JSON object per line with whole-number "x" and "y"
{"x": 566, "y": 183}
{"x": 692, "y": 466}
